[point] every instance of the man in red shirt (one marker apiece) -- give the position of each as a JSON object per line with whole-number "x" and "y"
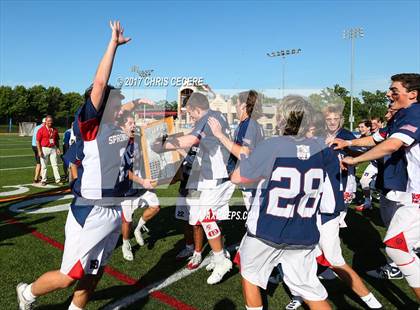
{"x": 47, "y": 144}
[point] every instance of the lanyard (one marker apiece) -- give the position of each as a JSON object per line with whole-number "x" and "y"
{"x": 50, "y": 132}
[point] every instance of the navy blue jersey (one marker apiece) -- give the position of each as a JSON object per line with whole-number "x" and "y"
{"x": 248, "y": 133}
{"x": 294, "y": 177}
{"x": 211, "y": 160}
{"x": 392, "y": 174}
{"x": 100, "y": 150}
{"x": 407, "y": 129}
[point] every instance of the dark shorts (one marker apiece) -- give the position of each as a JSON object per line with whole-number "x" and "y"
{"x": 35, "y": 149}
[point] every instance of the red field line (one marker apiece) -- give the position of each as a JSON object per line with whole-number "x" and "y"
{"x": 162, "y": 297}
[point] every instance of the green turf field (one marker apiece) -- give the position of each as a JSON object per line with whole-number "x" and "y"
{"x": 24, "y": 256}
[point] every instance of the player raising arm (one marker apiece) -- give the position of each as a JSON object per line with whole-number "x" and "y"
{"x": 92, "y": 229}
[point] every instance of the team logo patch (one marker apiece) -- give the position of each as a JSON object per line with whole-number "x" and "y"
{"x": 303, "y": 152}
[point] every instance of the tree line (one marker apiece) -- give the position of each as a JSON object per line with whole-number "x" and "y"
{"x": 23, "y": 104}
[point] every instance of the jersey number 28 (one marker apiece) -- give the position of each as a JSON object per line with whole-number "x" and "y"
{"x": 283, "y": 201}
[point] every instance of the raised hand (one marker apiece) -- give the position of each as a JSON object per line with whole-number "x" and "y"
{"x": 118, "y": 33}
{"x": 149, "y": 183}
{"x": 215, "y": 127}
{"x": 340, "y": 144}
{"x": 347, "y": 161}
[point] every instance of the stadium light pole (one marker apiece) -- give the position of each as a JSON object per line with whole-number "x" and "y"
{"x": 352, "y": 34}
{"x": 283, "y": 54}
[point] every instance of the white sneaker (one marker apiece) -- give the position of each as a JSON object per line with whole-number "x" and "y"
{"x": 184, "y": 253}
{"x": 126, "y": 250}
{"x": 138, "y": 235}
{"x": 23, "y": 303}
{"x": 210, "y": 266}
{"x": 293, "y": 304}
{"x": 194, "y": 262}
{"x": 220, "y": 269}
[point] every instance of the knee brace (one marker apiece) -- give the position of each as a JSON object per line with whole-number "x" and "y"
{"x": 211, "y": 229}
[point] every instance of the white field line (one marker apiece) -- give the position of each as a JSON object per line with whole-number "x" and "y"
{"x": 12, "y": 156}
{"x": 18, "y": 168}
{"x": 130, "y": 299}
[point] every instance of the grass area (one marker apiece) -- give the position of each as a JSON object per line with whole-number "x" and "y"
{"x": 24, "y": 257}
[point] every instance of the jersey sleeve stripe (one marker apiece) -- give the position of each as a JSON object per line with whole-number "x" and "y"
{"x": 403, "y": 137}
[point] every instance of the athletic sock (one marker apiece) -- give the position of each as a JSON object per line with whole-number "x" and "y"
{"x": 254, "y": 308}
{"x": 141, "y": 223}
{"x": 197, "y": 253}
{"x": 371, "y": 301}
{"x": 219, "y": 256}
{"x": 27, "y": 293}
{"x": 368, "y": 201}
{"x": 392, "y": 264}
{"x": 72, "y": 306}
{"x": 126, "y": 241}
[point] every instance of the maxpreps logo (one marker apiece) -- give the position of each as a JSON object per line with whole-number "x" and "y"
{"x": 117, "y": 138}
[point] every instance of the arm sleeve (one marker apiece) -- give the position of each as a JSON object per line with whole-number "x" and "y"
{"x": 199, "y": 128}
{"x": 88, "y": 120}
{"x": 39, "y": 135}
{"x": 259, "y": 163}
{"x": 408, "y": 131}
{"x": 253, "y": 136}
{"x": 380, "y": 135}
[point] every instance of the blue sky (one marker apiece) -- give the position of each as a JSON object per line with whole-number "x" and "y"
{"x": 61, "y": 43}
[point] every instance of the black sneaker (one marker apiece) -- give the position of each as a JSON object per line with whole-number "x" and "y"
{"x": 386, "y": 272}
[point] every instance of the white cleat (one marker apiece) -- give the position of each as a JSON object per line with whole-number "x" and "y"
{"x": 210, "y": 266}
{"x": 126, "y": 250}
{"x": 24, "y": 304}
{"x": 138, "y": 236}
{"x": 194, "y": 262}
{"x": 220, "y": 269}
{"x": 294, "y": 304}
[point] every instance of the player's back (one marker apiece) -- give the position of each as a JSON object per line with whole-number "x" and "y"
{"x": 283, "y": 213}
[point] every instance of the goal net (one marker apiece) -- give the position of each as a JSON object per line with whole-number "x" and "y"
{"x": 26, "y": 128}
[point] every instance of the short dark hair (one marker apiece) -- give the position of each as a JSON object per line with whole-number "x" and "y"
{"x": 297, "y": 113}
{"x": 252, "y": 101}
{"x": 198, "y": 100}
{"x": 366, "y": 122}
{"x": 410, "y": 81}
